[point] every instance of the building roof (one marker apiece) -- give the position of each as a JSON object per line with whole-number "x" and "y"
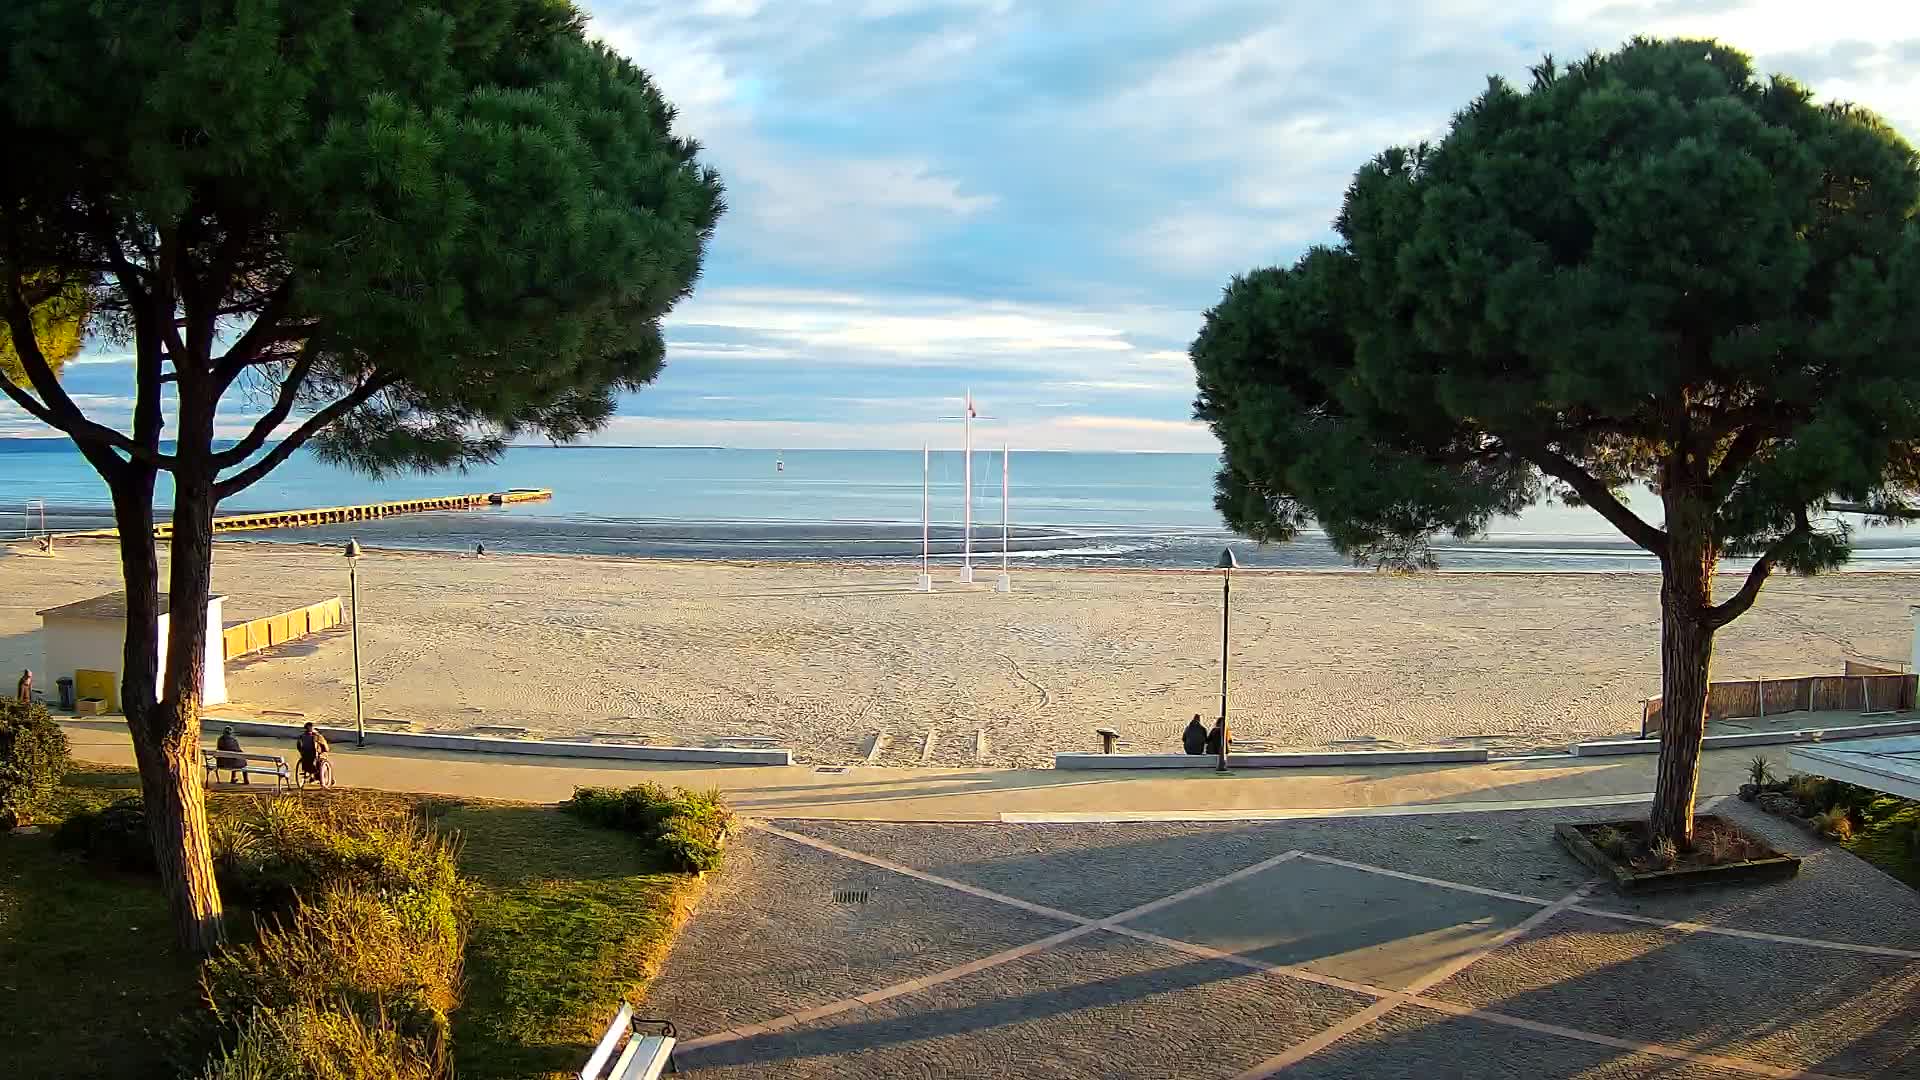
{"x": 111, "y": 606}
{"x": 1889, "y": 764}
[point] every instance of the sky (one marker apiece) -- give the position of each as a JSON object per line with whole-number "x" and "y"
{"x": 1039, "y": 200}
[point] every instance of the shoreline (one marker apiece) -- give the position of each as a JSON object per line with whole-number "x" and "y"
{"x": 982, "y": 565}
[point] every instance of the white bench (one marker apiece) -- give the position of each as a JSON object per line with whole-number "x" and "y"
{"x": 270, "y": 765}
{"x": 643, "y": 1057}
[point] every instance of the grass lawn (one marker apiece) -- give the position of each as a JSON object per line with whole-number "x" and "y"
{"x": 1885, "y": 840}
{"x": 565, "y": 920}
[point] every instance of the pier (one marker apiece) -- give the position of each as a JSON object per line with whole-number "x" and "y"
{"x": 333, "y": 515}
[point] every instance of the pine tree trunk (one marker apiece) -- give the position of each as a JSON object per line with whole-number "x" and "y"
{"x": 166, "y": 738}
{"x": 1686, "y": 664}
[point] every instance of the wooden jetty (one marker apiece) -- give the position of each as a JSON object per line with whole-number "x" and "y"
{"x": 333, "y": 515}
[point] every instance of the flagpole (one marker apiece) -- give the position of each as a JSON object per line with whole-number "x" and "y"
{"x": 925, "y": 582}
{"x": 1003, "y": 583}
{"x": 966, "y": 517}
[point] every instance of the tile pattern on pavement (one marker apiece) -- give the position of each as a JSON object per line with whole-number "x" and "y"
{"x": 1070, "y": 951}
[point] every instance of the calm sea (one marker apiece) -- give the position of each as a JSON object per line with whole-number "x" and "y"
{"x": 1073, "y": 509}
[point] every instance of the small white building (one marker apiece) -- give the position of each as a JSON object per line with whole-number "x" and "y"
{"x": 90, "y": 635}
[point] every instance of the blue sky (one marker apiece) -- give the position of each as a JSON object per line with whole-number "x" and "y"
{"x": 1038, "y": 200}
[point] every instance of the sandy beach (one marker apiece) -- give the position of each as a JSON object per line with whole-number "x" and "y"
{"x": 820, "y": 658}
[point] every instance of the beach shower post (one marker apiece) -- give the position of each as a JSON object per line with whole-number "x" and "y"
{"x": 353, "y": 594}
{"x": 1227, "y": 565}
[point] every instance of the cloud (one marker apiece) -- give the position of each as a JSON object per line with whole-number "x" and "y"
{"x": 1075, "y": 432}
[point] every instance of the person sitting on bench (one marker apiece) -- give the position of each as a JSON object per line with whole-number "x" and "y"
{"x": 1195, "y": 737}
{"x": 237, "y": 766}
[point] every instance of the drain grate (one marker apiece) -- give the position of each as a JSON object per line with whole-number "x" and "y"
{"x": 852, "y": 896}
{"x": 829, "y": 768}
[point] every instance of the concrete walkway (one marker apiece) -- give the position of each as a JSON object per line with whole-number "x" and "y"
{"x": 1467, "y": 945}
{"x": 1025, "y": 795}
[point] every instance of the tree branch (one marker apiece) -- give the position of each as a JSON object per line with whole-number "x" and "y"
{"x": 1737, "y": 605}
{"x": 263, "y": 332}
{"x": 1740, "y": 453}
{"x": 1594, "y": 494}
{"x": 57, "y": 410}
{"x": 247, "y": 477}
{"x": 283, "y": 404}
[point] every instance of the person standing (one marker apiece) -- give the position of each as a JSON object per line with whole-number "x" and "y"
{"x": 25, "y": 690}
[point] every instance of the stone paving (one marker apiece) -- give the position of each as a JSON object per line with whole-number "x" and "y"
{"x": 1464, "y": 945}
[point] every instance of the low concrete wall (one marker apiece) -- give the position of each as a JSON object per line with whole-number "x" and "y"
{"x": 1263, "y": 760}
{"x": 1757, "y": 738}
{"x": 344, "y": 736}
{"x": 250, "y": 637}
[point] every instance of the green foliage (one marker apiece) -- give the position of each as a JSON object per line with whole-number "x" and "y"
{"x": 116, "y": 834}
{"x": 1612, "y": 841}
{"x": 1648, "y": 267}
{"x": 470, "y": 204}
{"x": 1833, "y": 824}
{"x": 1809, "y": 791}
{"x": 308, "y": 1042}
{"x": 59, "y": 314}
{"x": 367, "y": 946}
{"x": 688, "y": 828}
{"x": 33, "y": 758}
{"x": 1759, "y": 771}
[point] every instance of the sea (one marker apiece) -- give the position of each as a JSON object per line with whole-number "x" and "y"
{"x": 1116, "y": 510}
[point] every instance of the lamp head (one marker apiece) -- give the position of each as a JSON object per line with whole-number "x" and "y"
{"x": 353, "y": 549}
{"x": 1227, "y": 561}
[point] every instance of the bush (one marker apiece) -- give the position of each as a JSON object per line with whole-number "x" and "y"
{"x": 33, "y": 758}
{"x": 308, "y": 1042}
{"x": 115, "y": 834}
{"x": 1834, "y": 824}
{"x": 1759, "y": 771}
{"x": 1809, "y": 791}
{"x": 288, "y": 847}
{"x": 687, "y": 828}
{"x": 1612, "y": 841}
{"x": 365, "y": 949}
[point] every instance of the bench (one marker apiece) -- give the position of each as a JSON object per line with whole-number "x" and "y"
{"x": 643, "y": 1057}
{"x": 270, "y": 765}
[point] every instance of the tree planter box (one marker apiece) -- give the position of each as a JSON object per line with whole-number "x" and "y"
{"x": 1771, "y": 867}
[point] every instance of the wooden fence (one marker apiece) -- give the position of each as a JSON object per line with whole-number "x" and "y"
{"x": 1863, "y": 688}
{"x": 250, "y": 637}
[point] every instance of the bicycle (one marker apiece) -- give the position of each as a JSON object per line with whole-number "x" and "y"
{"x": 324, "y": 780}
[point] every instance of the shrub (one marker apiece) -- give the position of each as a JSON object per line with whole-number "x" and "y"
{"x": 33, "y": 758}
{"x": 287, "y": 847}
{"x": 1611, "y": 840}
{"x": 1759, "y": 771}
{"x": 1663, "y": 854}
{"x": 311, "y": 1042}
{"x": 115, "y": 834}
{"x": 687, "y": 828}
{"x": 365, "y": 948}
{"x": 1809, "y": 791}
{"x": 1834, "y": 824}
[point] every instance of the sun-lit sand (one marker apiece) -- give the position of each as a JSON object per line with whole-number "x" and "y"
{"x": 820, "y": 658}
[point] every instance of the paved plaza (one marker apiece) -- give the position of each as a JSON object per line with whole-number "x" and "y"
{"x": 1464, "y": 944}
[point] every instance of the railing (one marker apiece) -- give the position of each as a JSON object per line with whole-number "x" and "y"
{"x": 1864, "y": 687}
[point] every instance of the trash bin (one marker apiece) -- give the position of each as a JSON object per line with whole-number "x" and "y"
{"x": 65, "y": 683}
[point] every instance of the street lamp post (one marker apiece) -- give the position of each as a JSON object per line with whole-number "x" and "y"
{"x": 1227, "y": 565}
{"x": 353, "y": 593}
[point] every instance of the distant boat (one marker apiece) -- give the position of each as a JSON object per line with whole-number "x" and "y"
{"x": 779, "y": 461}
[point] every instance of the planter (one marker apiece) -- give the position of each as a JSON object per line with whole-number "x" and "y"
{"x": 1772, "y": 866}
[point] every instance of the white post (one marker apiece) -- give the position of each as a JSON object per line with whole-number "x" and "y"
{"x": 925, "y": 581}
{"x": 1003, "y": 583}
{"x": 1914, "y": 612}
{"x": 966, "y": 515}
